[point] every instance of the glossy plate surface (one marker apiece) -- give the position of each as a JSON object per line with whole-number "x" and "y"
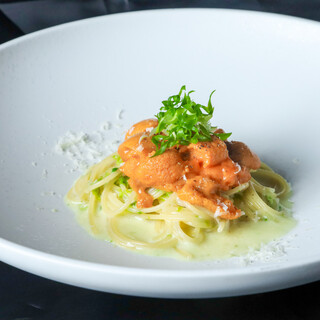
{"x": 265, "y": 69}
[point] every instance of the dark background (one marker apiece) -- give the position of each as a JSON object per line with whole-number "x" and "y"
{"x": 24, "y": 296}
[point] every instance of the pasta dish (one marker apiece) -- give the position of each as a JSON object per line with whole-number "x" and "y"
{"x": 177, "y": 187}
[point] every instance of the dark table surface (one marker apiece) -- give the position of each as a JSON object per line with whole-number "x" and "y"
{"x": 24, "y": 296}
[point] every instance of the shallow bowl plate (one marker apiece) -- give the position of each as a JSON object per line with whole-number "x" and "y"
{"x": 265, "y": 69}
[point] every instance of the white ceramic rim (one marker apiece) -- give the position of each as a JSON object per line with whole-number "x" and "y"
{"x": 9, "y": 249}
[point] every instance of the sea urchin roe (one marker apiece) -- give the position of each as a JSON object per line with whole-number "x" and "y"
{"x": 142, "y": 126}
{"x": 197, "y": 172}
{"x": 240, "y": 153}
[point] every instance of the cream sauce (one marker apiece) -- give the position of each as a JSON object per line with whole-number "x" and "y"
{"x": 237, "y": 241}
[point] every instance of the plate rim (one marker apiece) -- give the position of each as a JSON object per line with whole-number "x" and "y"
{"x": 181, "y": 273}
{"x": 223, "y": 11}
{"x": 8, "y": 247}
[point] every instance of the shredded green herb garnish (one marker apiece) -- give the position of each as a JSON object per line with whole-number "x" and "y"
{"x": 117, "y": 158}
{"x": 123, "y": 180}
{"x": 97, "y": 192}
{"x": 182, "y": 121}
{"x": 114, "y": 169}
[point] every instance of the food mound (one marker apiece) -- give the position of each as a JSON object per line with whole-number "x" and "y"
{"x": 178, "y": 188}
{"x": 197, "y": 172}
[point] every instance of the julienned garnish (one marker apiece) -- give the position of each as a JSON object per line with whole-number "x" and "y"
{"x": 181, "y": 122}
{"x": 178, "y": 188}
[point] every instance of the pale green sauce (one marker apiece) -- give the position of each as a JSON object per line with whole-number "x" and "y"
{"x": 237, "y": 241}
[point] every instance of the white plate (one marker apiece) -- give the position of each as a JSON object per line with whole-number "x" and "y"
{"x": 265, "y": 69}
